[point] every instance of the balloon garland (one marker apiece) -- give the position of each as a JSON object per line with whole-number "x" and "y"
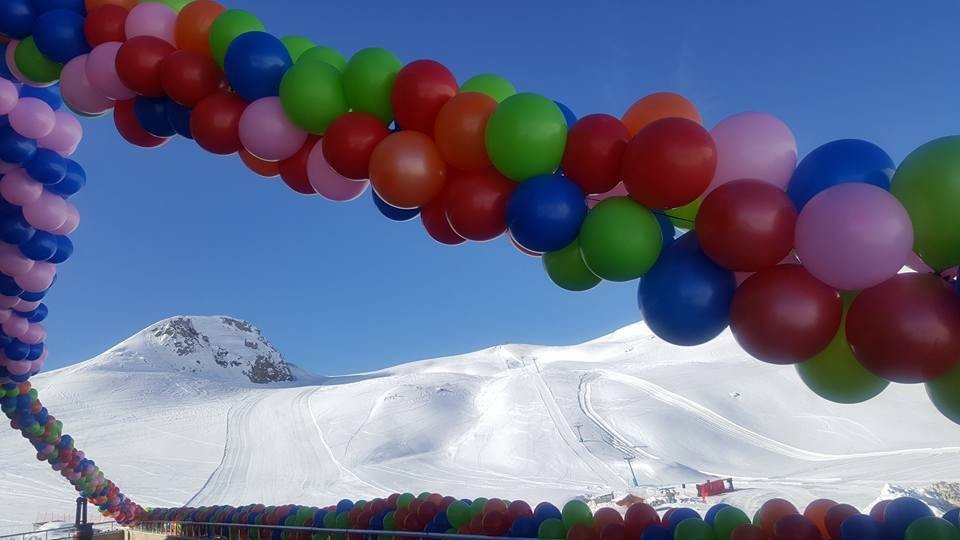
{"x": 800, "y": 260}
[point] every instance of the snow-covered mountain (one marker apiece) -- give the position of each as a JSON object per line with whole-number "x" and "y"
{"x": 203, "y": 410}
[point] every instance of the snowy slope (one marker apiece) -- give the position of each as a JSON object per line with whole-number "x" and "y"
{"x": 499, "y": 422}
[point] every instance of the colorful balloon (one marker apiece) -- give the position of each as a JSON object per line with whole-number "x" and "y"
{"x": 460, "y": 130}
{"x": 753, "y": 145}
{"x": 312, "y": 95}
{"x": 595, "y": 147}
{"x": 226, "y": 27}
{"x": 406, "y": 169}
{"x": 151, "y": 19}
{"x": 420, "y": 90}
{"x": 368, "y": 81}
{"x": 33, "y": 65}
{"x": 490, "y": 85}
{"x": 545, "y": 213}
{"x": 620, "y": 240}
{"x": 727, "y": 520}
{"x": 328, "y": 182}
{"x": 101, "y": 72}
{"x": 433, "y": 216}
{"x": 125, "y": 120}
{"x": 476, "y": 204}
{"x": 294, "y": 171}
{"x": 192, "y": 28}
{"x": 901, "y": 513}
{"x": 215, "y": 123}
{"x": 59, "y": 35}
{"x": 267, "y": 133}
{"x": 657, "y": 106}
{"x": 327, "y": 55}
{"x": 188, "y": 76}
{"x": 32, "y": 118}
{"x": 297, "y": 45}
{"x": 566, "y": 269}
{"x": 138, "y": 64}
{"x": 350, "y": 142}
{"x": 525, "y": 136}
{"x": 255, "y": 64}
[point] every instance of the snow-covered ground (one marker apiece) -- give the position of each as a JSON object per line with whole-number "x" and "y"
{"x": 176, "y": 425}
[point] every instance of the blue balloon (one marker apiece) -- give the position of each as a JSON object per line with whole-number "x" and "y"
{"x": 568, "y": 115}
{"x": 344, "y": 505}
{"x": 656, "y": 532}
{"x": 545, "y": 511}
{"x": 179, "y": 118}
{"x": 376, "y": 522}
{"x": 59, "y": 35}
{"x": 839, "y": 162}
{"x": 255, "y": 63}
{"x": 48, "y": 94}
{"x": 15, "y": 148}
{"x": 7, "y": 208}
{"x": 5, "y": 340}
{"x": 151, "y": 113}
{"x": 441, "y": 520}
{"x": 17, "y": 350}
{"x": 667, "y": 230}
{"x": 524, "y": 527}
{"x": 64, "y": 250}
{"x": 47, "y": 167}
{"x": 8, "y": 286}
{"x": 38, "y": 314}
{"x": 73, "y": 182}
{"x": 545, "y": 213}
{"x": 32, "y": 296}
{"x": 4, "y": 70}
{"x": 14, "y": 229}
{"x": 685, "y": 298}
{"x": 713, "y": 511}
{"x": 681, "y": 514}
{"x": 40, "y": 247}
{"x": 861, "y": 527}
{"x": 953, "y": 516}
{"x": 77, "y": 6}
{"x": 393, "y": 213}
{"x": 900, "y": 513}
{"x": 17, "y": 18}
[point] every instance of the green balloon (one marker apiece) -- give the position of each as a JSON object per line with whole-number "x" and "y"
{"x": 932, "y": 528}
{"x": 175, "y": 5}
{"x": 368, "y": 79}
{"x": 458, "y": 513}
{"x": 552, "y": 529}
{"x": 330, "y": 520}
{"x": 451, "y": 530}
{"x": 683, "y": 217}
{"x": 525, "y": 136}
{"x": 945, "y": 394}
{"x": 928, "y": 185}
{"x": 404, "y": 500}
{"x": 494, "y": 86}
{"x": 390, "y": 521}
{"x": 311, "y": 93}
{"x": 694, "y": 529}
{"x": 360, "y": 504}
{"x": 424, "y": 495}
{"x": 576, "y": 512}
{"x": 727, "y": 520}
{"x": 34, "y": 65}
{"x": 297, "y": 45}
{"x": 227, "y": 27}
{"x": 325, "y": 54}
{"x": 620, "y": 240}
{"x": 835, "y": 374}
{"x": 567, "y": 269}
{"x": 34, "y": 395}
{"x": 476, "y": 507}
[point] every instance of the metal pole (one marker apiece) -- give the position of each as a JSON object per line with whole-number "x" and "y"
{"x": 577, "y": 427}
{"x": 629, "y": 461}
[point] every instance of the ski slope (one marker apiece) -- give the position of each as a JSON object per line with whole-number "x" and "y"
{"x": 516, "y": 421}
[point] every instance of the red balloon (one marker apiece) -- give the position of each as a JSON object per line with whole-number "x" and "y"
{"x": 349, "y": 143}
{"x": 138, "y": 64}
{"x": 293, "y": 172}
{"x": 406, "y": 169}
{"x": 433, "y": 215}
{"x": 746, "y": 225}
{"x": 266, "y": 169}
{"x": 411, "y": 523}
{"x": 447, "y": 501}
{"x": 477, "y": 204}
{"x": 106, "y": 23}
{"x": 495, "y": 523}
{"x": 877, "y": 511}
{"x": 795, "y": 527}
{"x": 582, "y": 532}
{"x": 748, "y": 532}
{"x": 772, "y": 511}
{"x": 215, "y": 123}
{"x": 495, "y": 505}
{"x": 638, "y": 517}
{"x": 836, "y": 516}
{"x": 605, "y": 516}
{"x": 665, "y": 520}
{"x": 188, "y": 77}
{"x": 131, "y": 130}
{"x": 427, "y": 510}
{"x": 522, "y": 249}
{"x": 476, "y": 524}
{"x": 784, "y": 315}
{"x": 419, "y": 92}
{"x": 516, "y": 508}
{"x": 669, "y": 163}
{"x": 613, "y": 531}
{"x": 907, "y": 329}
{"x": 595, "y": 147}
{"x": 392, "y": 500}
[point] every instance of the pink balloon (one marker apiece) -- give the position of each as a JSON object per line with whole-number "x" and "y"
{"x": 151, "y": 19}
{"x": 73, "y": 219}
{"x": 12, "y": 261}
{"x": 5, "y": 314}
{"x": 18, "y": 188}
{"x": 19, "y": 367}
{"x": 47, "y": 213}
{"x": 8, "y": 96}
{"x": 15, "y": 327}
{"x": 753, "y": 145}
{"x": 77, "y": 91}
{"x": 101, "y": 68}
{"x": 915, "y": 263}
{"x": 35, "y": 333}
{"x": 7, "y": 167}
{"x": 32, "y": 118}
{"x": 39, "y": 278}
{"x": 65, "y": 136}
{"x": 27, "y": 306}
{"x": 854, "y": 236}
{"x": 8, "y": 302}
{"x": 11, "y": 62}
{"x": 618, "y": 191}
{"x": 267, "y": 132}
{"x": 328, "y": 182}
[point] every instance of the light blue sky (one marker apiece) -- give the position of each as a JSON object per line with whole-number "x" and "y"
{"x": 340, "y": 289}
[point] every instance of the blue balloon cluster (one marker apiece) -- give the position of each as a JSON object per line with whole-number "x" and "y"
{"x": 255, "y": 63}
{"x": 545, "y": 213}
{"x": 839, "y": 162}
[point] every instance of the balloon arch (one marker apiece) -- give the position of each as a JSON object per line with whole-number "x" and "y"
{"x": 801, "y": 260}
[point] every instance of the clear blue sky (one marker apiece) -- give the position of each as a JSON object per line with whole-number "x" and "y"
{"x": 340, "y": 289}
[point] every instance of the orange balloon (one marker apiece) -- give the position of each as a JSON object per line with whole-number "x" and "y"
{"x": 773, "y": 510}
{"x": 406, "y": 169}
{"x": 192, "y": 31}
{"x": 817, "y": 512}
{"x": 604, "y": 517}
{"x": 125, "y": 4}
{"x": 459, "y": 131}
{"x": 657, "y": 106}
{"x": 266, "y": 169}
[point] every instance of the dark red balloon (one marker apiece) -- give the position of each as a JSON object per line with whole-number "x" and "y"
{"x": 495, "y": 505}
{"x": 784, "y": 315}
{"x": 293, "y": 172}
{"x": 613, "y": 531}
{"x": 131, "y": 130}
{"x": 349, "y": 142}
{"x": 434, "y": 218}
{"x": 419, "y": 92}
{"x": 427, "y": 510}
{"x": 669, "y": 163}
{"x": 266, "y": 169}
{"x": 748, "y": 532}
{"x": 105, "y": 23}
{"x": 795, "y": 527}
{"x": 187, "y": 77}
{"x": 215, "y": 123}
{"x": 877, "y": 511}
{"x": 595, "y": 147}
{"x": 638, "y": 517}
{"x": 392, "y": 500}
{"x": 835, "y": 517}
{"x": 907, "y": 329}
{"x": 495, "y": 523}
{"x": 582, "y": 532}
{"x": 477, "y": 204}
{"x": 411, "y": 523}
{"x": 518, "y": 508}
{"x": 746, "y": 225}
{"x": 138, "y": 64}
